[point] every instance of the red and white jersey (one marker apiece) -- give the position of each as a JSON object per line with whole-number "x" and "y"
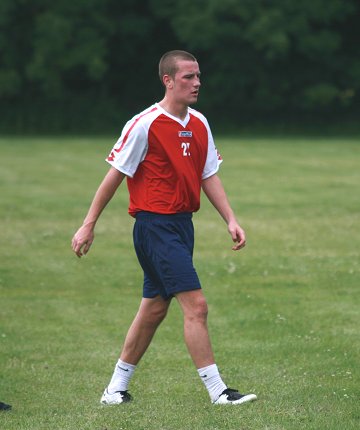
{"x": 165, "y": 159}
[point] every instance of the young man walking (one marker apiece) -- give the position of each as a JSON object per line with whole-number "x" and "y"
{"x": 167, "y": 155}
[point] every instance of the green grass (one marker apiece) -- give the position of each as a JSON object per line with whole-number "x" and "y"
{"x": 284, "y": 312}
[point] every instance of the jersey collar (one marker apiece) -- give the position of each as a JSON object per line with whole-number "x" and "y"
{"x": 182, "y": 122}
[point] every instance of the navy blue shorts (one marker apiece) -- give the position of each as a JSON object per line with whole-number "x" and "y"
{"x": 164, "y": 245}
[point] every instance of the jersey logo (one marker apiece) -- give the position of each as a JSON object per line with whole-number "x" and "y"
{"x": 185, "y": 133}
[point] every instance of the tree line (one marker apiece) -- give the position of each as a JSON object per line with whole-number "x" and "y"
{"x": 90, "y": 64}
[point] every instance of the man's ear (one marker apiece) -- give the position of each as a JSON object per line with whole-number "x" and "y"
{"x": 168, "y": 82}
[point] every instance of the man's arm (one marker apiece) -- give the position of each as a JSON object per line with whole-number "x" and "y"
{"x": 84, "y": 237}
{"x": 215, "y": 192}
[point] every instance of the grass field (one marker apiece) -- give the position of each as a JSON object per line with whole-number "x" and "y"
{"x": 284, "y": 312}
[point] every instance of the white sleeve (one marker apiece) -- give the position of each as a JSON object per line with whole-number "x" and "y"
{"x": 131, "y": 148}
{"x": 213, "y": 159}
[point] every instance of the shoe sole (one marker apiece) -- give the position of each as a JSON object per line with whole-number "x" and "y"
{"x": 107, "y": 403}
{"x": 245, "y": 399}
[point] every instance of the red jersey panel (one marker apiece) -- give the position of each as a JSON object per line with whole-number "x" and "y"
{"x": 165, "y": 160}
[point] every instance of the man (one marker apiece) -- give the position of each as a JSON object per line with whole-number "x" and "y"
{"x": 167, "y": 154}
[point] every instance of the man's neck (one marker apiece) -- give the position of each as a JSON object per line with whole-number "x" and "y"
{"x": 178, "y": 110}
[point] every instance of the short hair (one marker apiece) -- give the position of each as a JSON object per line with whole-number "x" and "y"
{"x": 168, "y": 62}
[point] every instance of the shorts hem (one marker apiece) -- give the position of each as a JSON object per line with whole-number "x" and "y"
{"x": 169, "y": 295}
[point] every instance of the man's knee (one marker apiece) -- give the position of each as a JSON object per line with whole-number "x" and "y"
{"x": 196, "y": 309}
{"x": 154, "y": 314}
{"x": 201, "y": 308}
{"x": 158, "y": 313}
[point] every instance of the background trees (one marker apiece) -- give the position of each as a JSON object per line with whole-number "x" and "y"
{"x": 89, "y": 64}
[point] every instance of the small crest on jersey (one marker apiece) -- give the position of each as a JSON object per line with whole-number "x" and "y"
{"x": 185, "y": 133}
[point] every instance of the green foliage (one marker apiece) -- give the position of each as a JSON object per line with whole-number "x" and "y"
{"x": 320, "y": 95}
{"x": 270, "y": 54}
{"x": 283, "y": 312}
{"x": 259, "y": 59}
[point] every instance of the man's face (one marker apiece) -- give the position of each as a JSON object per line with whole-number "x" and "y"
{"x": 186, "y": 82}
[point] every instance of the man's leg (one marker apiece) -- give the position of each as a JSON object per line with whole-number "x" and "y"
{"x": 195, "y": 310}
{"x": 149, "y": 316}
{"x": 197, "y": 340}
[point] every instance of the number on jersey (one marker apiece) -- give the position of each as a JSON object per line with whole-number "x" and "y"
{"x": 186, "y": 149}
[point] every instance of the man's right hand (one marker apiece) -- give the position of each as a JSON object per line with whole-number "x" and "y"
{"x": 84, "y": 237}
{"x": 82, "y": 240}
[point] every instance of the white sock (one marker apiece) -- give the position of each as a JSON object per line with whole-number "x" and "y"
{"x": 123, "y": 372}
{"x": 212, "y": 380}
